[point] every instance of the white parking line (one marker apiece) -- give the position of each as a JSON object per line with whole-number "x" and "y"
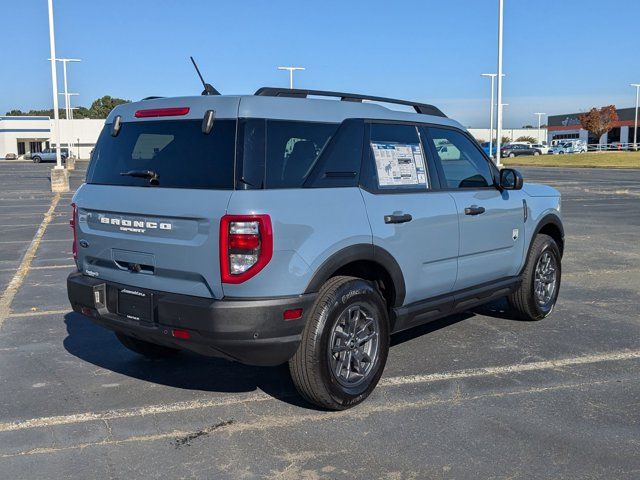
{"x": 261, "y": 397}
{"x": 37, "y": 313}
{"x": 271, "y": 422}
{"x": 25, "y": 264}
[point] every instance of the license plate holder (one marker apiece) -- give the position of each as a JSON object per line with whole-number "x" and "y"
{"x": 135, "y": 305}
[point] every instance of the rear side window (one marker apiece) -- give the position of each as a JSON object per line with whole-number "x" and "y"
{"x": 292, "y": 150}
{"x": 177, "y": 150}
{"x": 462, "y": 163}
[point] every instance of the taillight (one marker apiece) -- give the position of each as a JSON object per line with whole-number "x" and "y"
{"x": 246, "y": 246}
{"x": 73, "y": 223}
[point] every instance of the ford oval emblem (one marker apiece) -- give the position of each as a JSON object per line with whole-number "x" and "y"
{"x": 83, "y": 243}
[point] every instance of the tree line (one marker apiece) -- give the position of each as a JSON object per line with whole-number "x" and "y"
{"x": 99, "y": 109}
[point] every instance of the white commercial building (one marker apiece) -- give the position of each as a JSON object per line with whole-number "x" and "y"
{"x": 26, "y": 135}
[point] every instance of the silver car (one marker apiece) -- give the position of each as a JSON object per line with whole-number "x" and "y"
{"x": 49, "y": 155}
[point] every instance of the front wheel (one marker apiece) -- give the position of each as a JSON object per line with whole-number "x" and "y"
{"x": 536, "y": 153}
{"x": 538, "y": 292}
{"x": 36, "y": 159}
{"x": 344, "y": 345}
{"x": 511, "y": 155}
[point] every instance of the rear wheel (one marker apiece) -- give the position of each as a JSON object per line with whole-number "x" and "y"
{"x": 538, "y": 292}
{"x": 536, "y": 153}
{"x": 147, "y": 349}
{"x": 344, "y": 345}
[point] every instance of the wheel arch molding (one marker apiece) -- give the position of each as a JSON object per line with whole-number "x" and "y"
{"x": 550, "y": 224}
{"x": 359, "y": 255}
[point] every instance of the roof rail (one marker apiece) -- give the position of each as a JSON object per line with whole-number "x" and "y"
{"x": 423, "y": 108}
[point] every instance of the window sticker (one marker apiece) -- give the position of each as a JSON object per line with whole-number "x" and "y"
{"x": 399, "y": 164}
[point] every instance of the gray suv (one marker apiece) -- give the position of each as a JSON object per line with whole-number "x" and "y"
{"x": 49, "y": 155}
{"x": 274, "y": 228}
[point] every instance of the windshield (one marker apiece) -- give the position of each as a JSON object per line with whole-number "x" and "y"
{"x": 176, "y": 150}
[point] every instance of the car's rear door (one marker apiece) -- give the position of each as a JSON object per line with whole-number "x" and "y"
{"x": 158, "y": 234}
{"x": 491, "y": 221}
{"x": 410, "y": 219}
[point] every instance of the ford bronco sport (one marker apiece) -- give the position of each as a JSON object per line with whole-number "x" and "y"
{"x": 275, "y": 227}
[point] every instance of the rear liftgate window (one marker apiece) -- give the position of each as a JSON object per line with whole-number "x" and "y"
{"x": 176, "y": 150}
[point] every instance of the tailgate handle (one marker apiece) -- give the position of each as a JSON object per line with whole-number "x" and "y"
{"x": 135, "y": 267}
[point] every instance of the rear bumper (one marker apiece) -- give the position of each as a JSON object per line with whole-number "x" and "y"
{"x": 250, "y": 331}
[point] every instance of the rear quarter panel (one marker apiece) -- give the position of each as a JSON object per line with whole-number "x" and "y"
{"x": 309, "y": 226}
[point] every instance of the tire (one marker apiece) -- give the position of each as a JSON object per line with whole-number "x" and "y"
{"x": 318, "y": 367}
{"x": 36, "y": 159}
{"x": 146, "y": 349}
{"x": 536, "y": 153}
{"x": 525, "y": 301}
{"x": 512, "y": 155}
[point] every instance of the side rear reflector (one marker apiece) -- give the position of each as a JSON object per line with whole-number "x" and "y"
{"x": 162, "y": 112}
{"x": 179, "y": 333}
{"x": 293, "y": 314}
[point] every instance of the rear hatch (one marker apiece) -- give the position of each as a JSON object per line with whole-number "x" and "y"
{"x": 149, "y": 213}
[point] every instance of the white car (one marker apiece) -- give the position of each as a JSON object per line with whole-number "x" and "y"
{"x": 544, "y": 149}
{"x": 574, "y": 146}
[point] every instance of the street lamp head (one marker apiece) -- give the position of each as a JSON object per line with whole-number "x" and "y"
{"x": 637, "y": 85}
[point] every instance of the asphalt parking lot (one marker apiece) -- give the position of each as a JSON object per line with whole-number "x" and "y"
{"x": 478, "y": 395}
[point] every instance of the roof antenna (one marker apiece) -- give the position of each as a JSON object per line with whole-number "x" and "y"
{"x": 208, "y": 89}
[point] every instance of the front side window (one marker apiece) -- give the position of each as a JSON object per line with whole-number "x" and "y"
{"x": 398, "y": 157}
{"x": 463, "y": 164}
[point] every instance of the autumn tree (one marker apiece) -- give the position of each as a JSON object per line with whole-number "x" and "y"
{"x": 599, "y": 120}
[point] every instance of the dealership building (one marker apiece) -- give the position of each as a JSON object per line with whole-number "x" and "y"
{"x": 23, "y": 136}
{"x": 567, "y": 126}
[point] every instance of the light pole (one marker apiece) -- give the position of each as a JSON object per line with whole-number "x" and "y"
{"x": 635, "y": 125}
{"x": 499, "y": 127}
{"x": 64, "y": 62}
{"x": 492, "y": 76}
{"x": 539, "y": 117}
{"x": 68, "y": 112}
{"x": 291, "y": 70}
{"x": 54, "y": 81}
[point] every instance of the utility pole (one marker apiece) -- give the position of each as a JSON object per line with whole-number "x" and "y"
{"x": 291, "y": 70}
{"x": 635, "y": 127}
{"x": 539, "y": 114}
{"x": 492, "y": 76}
{"x": 500, "y": 32}
{"x": 59, "y": 177}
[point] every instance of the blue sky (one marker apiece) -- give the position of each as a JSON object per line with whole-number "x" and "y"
{"x": 560, "y": 55}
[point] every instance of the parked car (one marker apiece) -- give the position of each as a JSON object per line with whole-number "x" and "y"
{"x": 10, "y": 156}
{"x": 544, "y": 149}
{"x": 268, "y": 228}
{"x": 574, "y": 146}
{"x": 517, "y": 149}
{"x": 485, "y": 146}
{"x": 49, "y": 155}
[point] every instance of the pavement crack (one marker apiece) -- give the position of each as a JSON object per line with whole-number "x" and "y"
{"x": 187, "y": 439}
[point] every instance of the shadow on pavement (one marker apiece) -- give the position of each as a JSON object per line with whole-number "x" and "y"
{"x": 100, "y": 347}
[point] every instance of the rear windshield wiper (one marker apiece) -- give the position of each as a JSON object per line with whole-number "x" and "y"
{"x": 150, "y": 174}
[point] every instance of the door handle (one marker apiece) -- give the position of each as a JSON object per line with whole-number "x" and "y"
{"x": 401, "y": 218}
{"x": 473, "y": 210}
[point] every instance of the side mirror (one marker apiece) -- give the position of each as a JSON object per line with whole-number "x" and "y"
{"x": 510, "y": 179}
